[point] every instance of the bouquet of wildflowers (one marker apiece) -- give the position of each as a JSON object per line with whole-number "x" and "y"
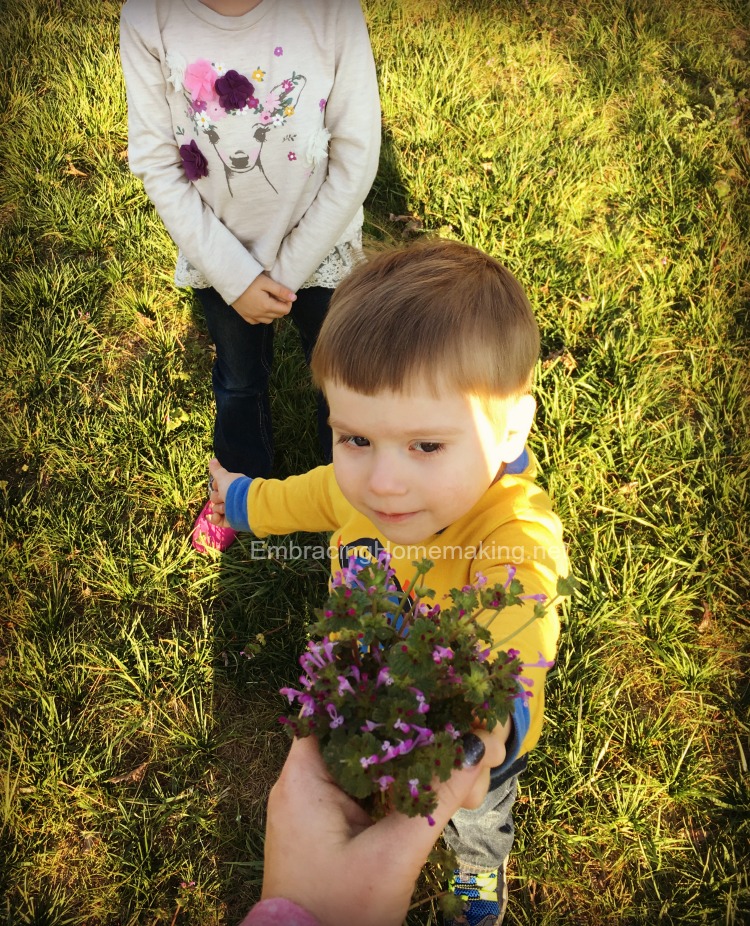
{"x": 390, "y": 684}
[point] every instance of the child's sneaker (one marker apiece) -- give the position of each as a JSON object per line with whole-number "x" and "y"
{"x": 208, "y": 536}
{"x": 486, "y": 896}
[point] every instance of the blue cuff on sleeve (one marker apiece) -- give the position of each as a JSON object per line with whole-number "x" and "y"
{"x": 236, "y": 504}
{"x": 521, "y": 719}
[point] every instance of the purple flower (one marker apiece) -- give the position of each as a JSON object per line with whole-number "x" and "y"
{"x": 345, "y": 686}
{"x": 442, "y": 652}
{"x": 422, "y": 705}
{"x": 384, "y": 677}
{"x": 401, "y": 726}
{"x": 369, "y": 725}
{"x": 193, "y": 161}
{"x": 384, "y": 781}
{"x": 414, "y": 787}
{"x": 287, "y": 85}
{"x": 425, "y": 736}
{"x": 278, "y": 51}
{"x": 306, "y": 700}
{"x": 392, "y": 752}
{"x": 292, "y": 156}
{"x": 539, "y": 597}
{"x": 319, "y": 654}
{"x": 511, "y": 573}
{"x": 336, "y": 718}
{"x": 367, "y": 761}
{"x": 541, "y": 663}
{"x": 234, "y": 90}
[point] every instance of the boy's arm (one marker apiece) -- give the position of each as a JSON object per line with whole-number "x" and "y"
{"x": 154, "y": 157}
{"x": 538, "y": 556}
{"x": 309, "y": 502}
{"x": 352, "y": 116}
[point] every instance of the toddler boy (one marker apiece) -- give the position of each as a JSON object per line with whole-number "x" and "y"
{"x": 426, "y": 359}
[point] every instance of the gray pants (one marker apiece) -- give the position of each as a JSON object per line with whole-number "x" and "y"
{"x": 482, "y": 838}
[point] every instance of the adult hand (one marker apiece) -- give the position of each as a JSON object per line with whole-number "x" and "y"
{"x": 494, "y": 756}
{"x": 324, "y": 852}
{"x": 264, "y": 300}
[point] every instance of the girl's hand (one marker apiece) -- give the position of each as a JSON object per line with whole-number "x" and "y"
{"x": 264, "y": 300}
{"x": 221, "y": 479}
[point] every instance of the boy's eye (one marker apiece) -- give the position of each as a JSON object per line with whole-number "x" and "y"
{"x": 428, "y": 446}
{"x": 353, "y": 440}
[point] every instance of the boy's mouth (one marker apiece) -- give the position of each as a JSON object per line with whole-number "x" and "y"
{"x": 394, "y": 517}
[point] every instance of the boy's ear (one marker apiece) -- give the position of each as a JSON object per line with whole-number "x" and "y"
{"x": 519, "y": 416}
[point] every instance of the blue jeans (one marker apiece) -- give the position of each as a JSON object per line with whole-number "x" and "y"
{"x": 482, "y": 838}
{"x": 243, "y": 434}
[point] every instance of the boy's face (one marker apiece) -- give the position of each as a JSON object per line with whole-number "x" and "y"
{"x": 414, "y": 463}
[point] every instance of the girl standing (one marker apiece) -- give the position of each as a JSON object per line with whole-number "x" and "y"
{"x": 255, "y": 128}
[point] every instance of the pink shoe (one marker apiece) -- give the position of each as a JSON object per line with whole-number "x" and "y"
{"x": 208, "y": 536}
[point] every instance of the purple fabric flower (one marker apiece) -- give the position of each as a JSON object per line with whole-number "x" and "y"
{"x": 322, "y": 104}
{"x": 278, "y": 51}
{"x": 194, "y": 162}
{"x": 234, "y": 90}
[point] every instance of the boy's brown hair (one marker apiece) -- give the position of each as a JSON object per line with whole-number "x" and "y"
{"x": 438, "y": 312}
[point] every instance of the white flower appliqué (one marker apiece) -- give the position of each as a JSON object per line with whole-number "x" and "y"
{"x": 176, "y": 64}
{"x": 317, "y": 146}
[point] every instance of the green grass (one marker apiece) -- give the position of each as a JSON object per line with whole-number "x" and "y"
{"x": 600, "y": 149}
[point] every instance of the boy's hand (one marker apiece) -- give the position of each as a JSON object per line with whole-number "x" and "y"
{"x": 264, "y": 300}
{"x": 494, "y": 755}
{"x": 221, "y": 479}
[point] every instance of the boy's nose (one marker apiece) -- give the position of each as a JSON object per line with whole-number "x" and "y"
{"x": 385, "y": 476}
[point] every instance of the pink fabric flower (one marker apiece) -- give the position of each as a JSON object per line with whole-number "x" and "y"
{"x": 200, "y": 80}
{"x": 278, "y": 51}
{"x": 292, "y": 156}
